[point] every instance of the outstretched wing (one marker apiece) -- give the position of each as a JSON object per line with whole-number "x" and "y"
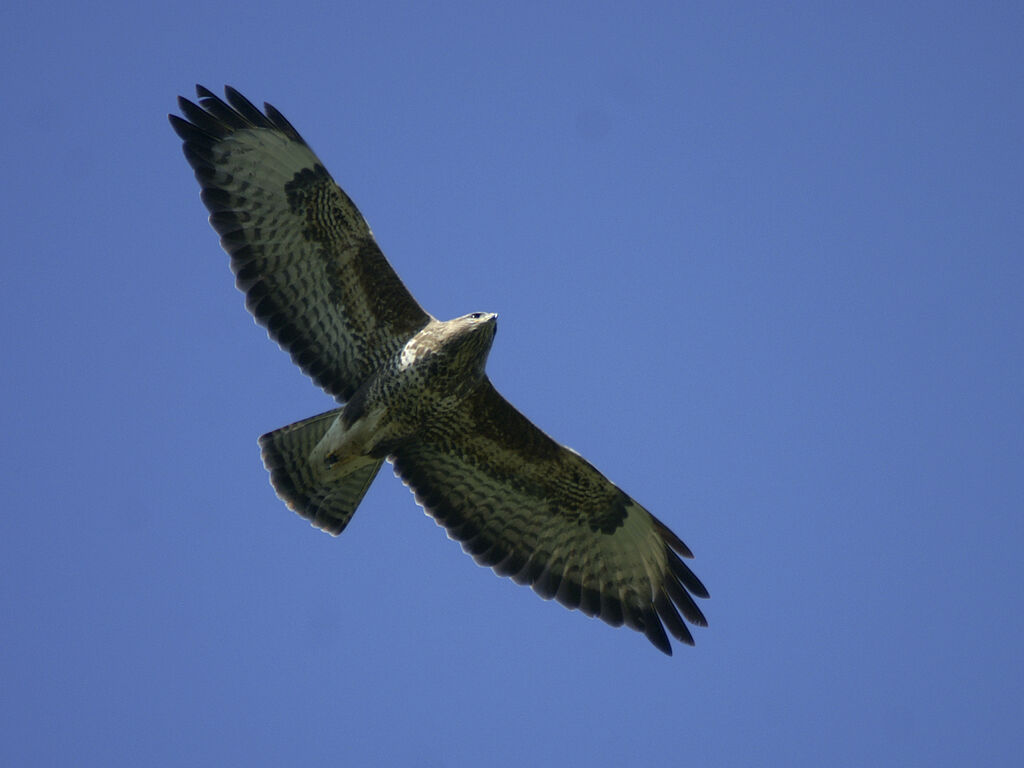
{"x": 537, "y": 511}
{"x": 302, "y": 253}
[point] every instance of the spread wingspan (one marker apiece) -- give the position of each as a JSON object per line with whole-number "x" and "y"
{"x": 314, "y": 276}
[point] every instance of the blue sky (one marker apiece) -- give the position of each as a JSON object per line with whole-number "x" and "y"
{"x": 761, "y": 264}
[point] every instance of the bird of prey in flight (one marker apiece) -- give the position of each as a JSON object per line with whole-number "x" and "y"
{"x": 413, "y": 390}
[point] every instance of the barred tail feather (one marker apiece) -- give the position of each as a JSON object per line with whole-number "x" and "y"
{"x": 327, "y": 501}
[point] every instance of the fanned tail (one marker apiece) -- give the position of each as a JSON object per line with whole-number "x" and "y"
{"x": 326, "y": 500}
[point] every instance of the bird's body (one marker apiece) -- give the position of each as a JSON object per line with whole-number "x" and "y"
{"x": 417, "y": 390}
{"x": 414, "y": 391}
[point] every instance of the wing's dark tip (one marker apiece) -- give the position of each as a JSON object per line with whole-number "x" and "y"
{"x": 679, "y": 588}
{"x": 652, "y": 628}
{"x": 181, "y": 127}
{"x": 215, "y": 118}
{"x": 687, "y": 577}
{"x": 670, "y": 616}
{"x": 281, "y": 122}
{"x": 674, "y": 542}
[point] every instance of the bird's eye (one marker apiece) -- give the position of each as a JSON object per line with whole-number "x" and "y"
{"x": 477, "y": 315}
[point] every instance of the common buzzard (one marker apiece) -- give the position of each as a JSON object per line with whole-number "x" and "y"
{"x": 413, "y": 390}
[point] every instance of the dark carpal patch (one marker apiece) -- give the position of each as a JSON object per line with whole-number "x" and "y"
{"x": 303, "y": 188}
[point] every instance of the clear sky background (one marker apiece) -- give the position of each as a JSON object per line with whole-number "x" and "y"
{"x": 762, "y": 264}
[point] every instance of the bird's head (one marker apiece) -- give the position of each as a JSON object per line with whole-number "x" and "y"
{"x": 467, "y": 340}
